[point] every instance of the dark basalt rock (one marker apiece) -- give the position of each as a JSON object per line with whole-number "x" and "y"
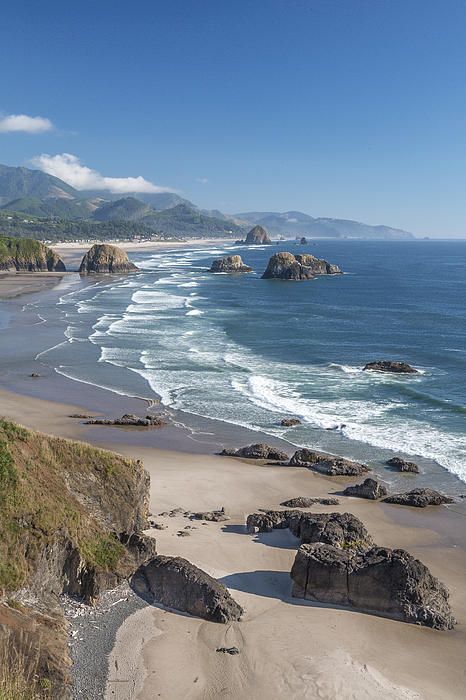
{"x": 290, "y": 422}
{"x": 419, "y": 498}
{"x": 370, "y": 488}
{"x": 214, "y": 516}
{"x": 287, "y": 266}
{"x": 130, "y": 419}
{"x": 178, "y": 584}
{"x": 232, "y": 263}
{"x": 257, "y": 451}
{"x": 304, "y": 502}
{"x": 379, "y": 580}
{"x": 258, "y": 236}
{"x": 390, "y": 366}
{"x": 327, "y": 464}
{"x": 233, "y": 651}
{"x": 105, "y": 258}
{"x": 303, "y": 241}
{"x": 338, "y": 529}
{"x": 402, "y": 465}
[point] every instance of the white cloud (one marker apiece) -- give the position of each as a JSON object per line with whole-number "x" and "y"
{"x": 70, "y": 169}
{"x": 202, "y": 180}
{"x": 21, "y": 122}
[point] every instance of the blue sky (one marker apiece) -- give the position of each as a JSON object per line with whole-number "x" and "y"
{"x": 345, "y": 108}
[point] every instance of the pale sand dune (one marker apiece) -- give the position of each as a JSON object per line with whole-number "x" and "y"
{"x": 289, "y": 648}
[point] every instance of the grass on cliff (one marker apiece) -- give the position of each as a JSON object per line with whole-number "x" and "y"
{"x": 19, "y": 672}
{"x": 51, "y": 488}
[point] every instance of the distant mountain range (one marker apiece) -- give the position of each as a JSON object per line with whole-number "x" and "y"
{"x": 37, "y": 194}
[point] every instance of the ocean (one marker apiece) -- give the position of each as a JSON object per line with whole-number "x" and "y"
{"x": 248, "y": 352}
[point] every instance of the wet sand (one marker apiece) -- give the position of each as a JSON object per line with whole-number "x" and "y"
{"x": 15, "y": 284}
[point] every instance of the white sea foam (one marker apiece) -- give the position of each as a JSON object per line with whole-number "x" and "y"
{"x": 195, "y": 312}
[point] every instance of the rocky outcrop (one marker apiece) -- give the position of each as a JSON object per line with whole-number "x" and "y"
{"x": 290, "y": 422}
{"x": 402, "y": 465}
{"x": 327, "y": 464}
{"x": 338, "y": 529}
{"x": 392, "y": 366}
{"x": 379, "y": 580}
{"x": 257, "y": 451}
{"x": 258, "y": 236}
{"x": 303, "y": 241}
{"x": 304, "y": 502}
{"x": 419, "y": 498}
{"x": 214, "y": 516}
{"x": 287, "y": 266}
{"x": 232, "y": 263}
{"x": 370, "y": 488}
{"x": 105, "y": 258}
{"x": 176, "y": 583}
{"x": 129, "y": 419}
{"x": 25, "y": 254}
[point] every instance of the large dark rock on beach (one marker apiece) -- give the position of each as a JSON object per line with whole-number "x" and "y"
{"x": 419, "y": 498}
{"x": 105, "y": 258}
{"x": 257, "y": 451}
{"x": 176, "y": 583}
{"x": 129, "y": 419}
{"x": 338, "y": 529}
{"x": 232, "y": 263}
{"x": 402, "y": 465}
{"x": 305, "y": 502}
{"x": 286, "y": 266}
{"x": 330, "y": 465}
{"x": 378, "y": 580}
{"x": 370, "y": 488}
{"x": 392, "y": 366}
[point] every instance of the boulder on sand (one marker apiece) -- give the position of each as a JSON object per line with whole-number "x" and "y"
{"x": 370, "y": 488}
{"x": 330, "y": 465}
{"x": 392, "y": 366}
{"x": 402, "y": 465}
{"x": 178, "y": 584}
{"x": 257, "y": 451}
{"x": 105, "y": 258}
{"x": 379, "y": 580}
{"x": 130, "y": 419}
{"x": 232, "y": 263}
{"x": 286, "y": 266}
{"x": 304, "y": 502}
{"x": 419, "y": 498}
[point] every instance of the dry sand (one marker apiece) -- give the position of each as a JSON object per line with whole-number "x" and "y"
{"x": 288, "y": 648}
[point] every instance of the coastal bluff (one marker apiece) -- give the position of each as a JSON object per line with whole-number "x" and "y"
{"x": 106, "y": 258}
{"x": 27, "y": 255}
{"x": 286, "y": 266}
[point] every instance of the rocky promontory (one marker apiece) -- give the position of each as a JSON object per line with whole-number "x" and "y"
{"x": 25, "y": 254}
{"x": 105, "y": 258}
{"x": 286, "y": 266}
{"x": 231, "y": 263}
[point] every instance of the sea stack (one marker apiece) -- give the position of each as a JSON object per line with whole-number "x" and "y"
{"x": 286, "y": 266}
{"x": 102, "y": 258}
{"x": 232, "y": 263}
{"x": 28, "y": 255}
{"x": 258, "y": 236}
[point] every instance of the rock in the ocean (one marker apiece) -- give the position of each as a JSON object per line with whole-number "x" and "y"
{"x": 370, "y": 488}
{"x": 290, "y": 422}
{"x": 390, "y": 366}
{"x": 419, "y": 498}
{"x": 338, "y": 529}
{"x": 402, "y": 465}
{"x": 232, "y": 263}
{"x": 106, "y": 258}
{"x": 130, "y": 419}
{"x": 379, "y": 580}
{"x": 258, "y": 236}
{"x": 178, "y": 584}
{"x": 304, "y": 502}
{"x": 287, "y": 266}
{"x": 303, "y": 241}
{"x": 327, "y": 464}
{"x": 257, "y": 451}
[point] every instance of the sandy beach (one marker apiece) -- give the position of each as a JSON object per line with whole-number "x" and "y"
{"x": 288, "y": 648}
{"x": 15, "y": 284}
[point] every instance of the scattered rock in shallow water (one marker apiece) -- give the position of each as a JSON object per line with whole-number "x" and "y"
{"x": 290, "y": 422}
{"x": 178, "y": 584}
{"x": 380, "y": 580}
{"x": 419, "y": 498}
{"x": 228, "y": 650}
{"x": 390, "y": 366}
{"x": 370, "y": 488}
{"x": 286, "y": 266}
{"x": 130, "y": 419}
{"x": 303, "y": 502}
{"x": 216, "y": 516}
{"x": 257, "y": 451}
{"x": 232, "y": 263}
{"x": 402, "y": 465}
{"x": 327, "y": 464}
{"x": 35, "y": 375}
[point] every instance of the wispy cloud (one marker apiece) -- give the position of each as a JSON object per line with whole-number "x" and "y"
{"x": 202, "y": 180}
{"x": 69, "y": 168}
{"x": 22, "y": 122}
